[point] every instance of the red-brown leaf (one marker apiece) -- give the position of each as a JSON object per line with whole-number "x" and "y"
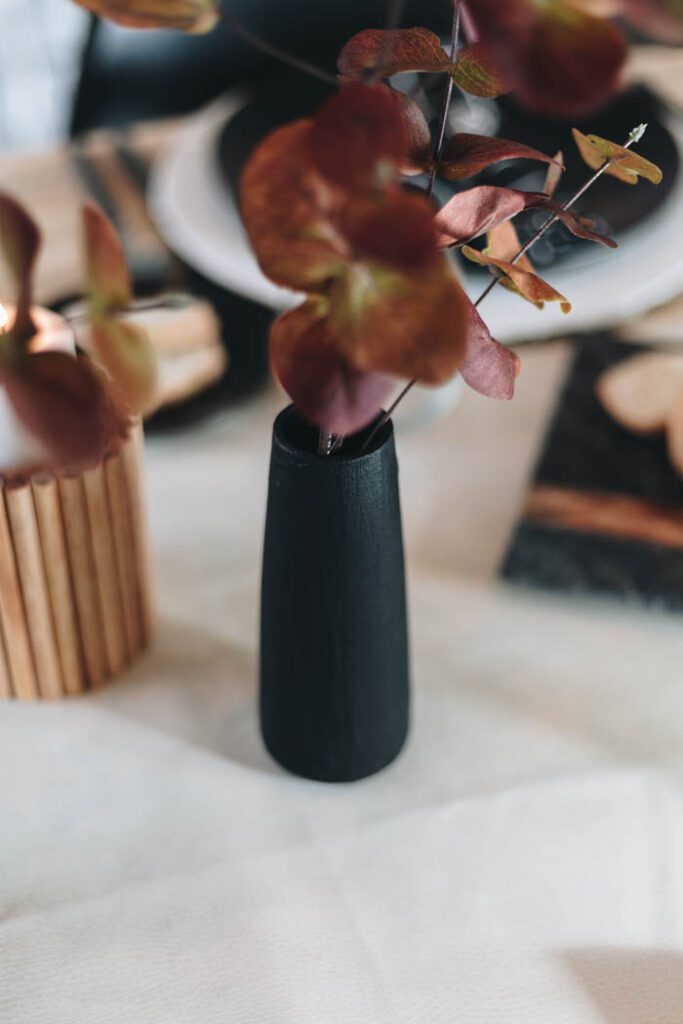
{"x": 476, "y": 72}
{"x": 359, "y": 138}
{"x": 286, "y": 209}
{"x": 531, "y": 287}
{"x": 319, "y": 379}
{"x": 402, "y": 324}
{"x": 465, "y": 155}
{"x": 407, "y": 49}
{"x": 582, "y": 227}
{"x": 397, "y": 230}
{"x": 109, "y": 284}
{"x": 186, "y": 15}
{"x": 559, "y": 60}
{"x": 64, "y": 404}
{"x": 419, "y": 156}
{"x": 489, "y": 367}
{"x": 19, "y": 241}
{"x": 472, "y": 213}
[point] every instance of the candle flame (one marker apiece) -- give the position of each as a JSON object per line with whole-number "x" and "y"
{"x": 3, "y": 318}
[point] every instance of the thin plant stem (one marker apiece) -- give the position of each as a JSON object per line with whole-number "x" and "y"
{"x": 328, "y": 443}
{"x": 455, "y": 39}
{"x": 634, "y": 136}
{"x": 283, "y": 56}
{"x": 392, "y": 22}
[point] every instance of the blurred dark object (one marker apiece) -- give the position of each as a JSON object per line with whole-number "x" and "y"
{"x": 604, "y": 513}
{"x": 132, "y": 76}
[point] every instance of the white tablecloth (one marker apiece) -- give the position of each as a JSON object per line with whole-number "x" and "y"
{"x": 521, "y": 863}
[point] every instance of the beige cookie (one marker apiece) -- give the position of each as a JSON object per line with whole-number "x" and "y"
{"x": 639, "y": 392}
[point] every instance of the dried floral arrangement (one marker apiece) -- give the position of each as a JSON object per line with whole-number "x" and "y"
{"x": 73, "y": 407}
{"x": 328, "y": 213}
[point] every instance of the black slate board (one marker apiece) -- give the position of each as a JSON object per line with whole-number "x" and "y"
{"x": 605, "y": 508}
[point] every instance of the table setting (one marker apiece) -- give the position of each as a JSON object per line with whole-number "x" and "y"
{"x": 315, "y": 704}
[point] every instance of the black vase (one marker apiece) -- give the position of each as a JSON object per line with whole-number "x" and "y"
{"x": 334, "y": 651}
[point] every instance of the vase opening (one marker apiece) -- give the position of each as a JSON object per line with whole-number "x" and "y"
{"x": 301, "y": 436}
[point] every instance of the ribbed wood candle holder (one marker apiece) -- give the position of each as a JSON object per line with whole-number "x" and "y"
{"x": 76, "y": 595}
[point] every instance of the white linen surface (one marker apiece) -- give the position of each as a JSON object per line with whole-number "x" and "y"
{"x": 521, "y": 863}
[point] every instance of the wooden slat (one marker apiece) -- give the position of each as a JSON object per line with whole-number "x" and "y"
{"x": 60, "y": 587}
{"x": 125, "y": 554}
{"x": 79, "y": 546}
{"x": 105, "y": 569}
{"x": 133, "y": 461}
{"x": 31, "y": 572}
{"x": 14, "y": 627}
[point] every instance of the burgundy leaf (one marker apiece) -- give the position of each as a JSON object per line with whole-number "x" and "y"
{"x": 579, "y": 226}
{"x": 64, "y": 403}
{"x": 19, "y": 241}
{"x": 407, "y": 49}
{"x": 465, "y": 155}
{"x": 472, "y": 213}
{"x": 559, "y": 60}
{"x": 489, "y": 367}
{"x": 318, "y": 378}
{"x": 398, "y": 230}
{"x": 359, "y": 138}
{"x": 419, "y": 156}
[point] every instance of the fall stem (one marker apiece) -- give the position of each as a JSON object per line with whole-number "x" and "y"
{"x": 634, "y": 136}
{"x": 392, "y": 22}
{"x": 283, "y": 56}
{"x": 455, "y": 38}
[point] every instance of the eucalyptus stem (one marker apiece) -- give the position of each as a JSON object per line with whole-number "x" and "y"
{"x": 634, "y": 136}
{"x": 455, "y": 39}
{"x": 283, "y": 56}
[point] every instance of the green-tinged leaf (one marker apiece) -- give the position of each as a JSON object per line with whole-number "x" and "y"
{"x": 402, "y": 324}
{"x": 465, "y": 155}
{"x": 625, "y": 165}
{"x": 63, "y": 402}
{"x": 531, "y": 287}
{"x": 406, "y": 49}
{"x": 326, "y": 389}
{"x": 287, "y": 210}
{"x": 109, "y": 285}
{"x": 19, "y": 241}
{"x": 476, "y": 73}
{"x": 126, "y": 354}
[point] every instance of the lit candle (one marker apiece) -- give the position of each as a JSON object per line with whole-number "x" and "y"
{"x": 18, "y": 447}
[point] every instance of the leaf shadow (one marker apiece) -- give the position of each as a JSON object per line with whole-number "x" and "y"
{"x": 198, "y": 686}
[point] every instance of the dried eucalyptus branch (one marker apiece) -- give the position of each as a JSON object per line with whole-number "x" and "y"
{"x": 634, "y": 136}
{"x": 455, "y": 39}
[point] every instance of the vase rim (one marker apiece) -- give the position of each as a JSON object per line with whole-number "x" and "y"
{"x": 288, "y": 424}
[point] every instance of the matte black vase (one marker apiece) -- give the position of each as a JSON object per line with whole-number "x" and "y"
{"x": 334, "y": 649}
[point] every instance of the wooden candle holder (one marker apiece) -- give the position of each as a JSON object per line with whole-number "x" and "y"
{"x": 76, "y": 595}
